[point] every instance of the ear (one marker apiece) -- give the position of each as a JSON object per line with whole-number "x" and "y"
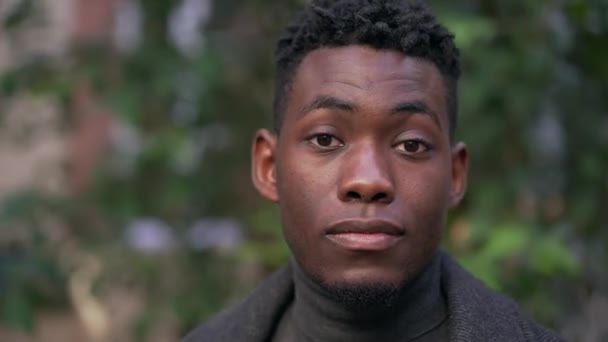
{"x": 263, "y": 164}
{"x": 460, "y": 167}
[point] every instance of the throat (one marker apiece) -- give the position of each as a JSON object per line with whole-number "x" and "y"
{"x": 369, "y": 312}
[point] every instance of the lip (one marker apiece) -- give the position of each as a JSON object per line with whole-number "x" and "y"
{"x": 365, "y": 234}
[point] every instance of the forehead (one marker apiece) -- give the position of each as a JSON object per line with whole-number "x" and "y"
{"x": 367, "y": 75}
{"x": 366, "y": 66}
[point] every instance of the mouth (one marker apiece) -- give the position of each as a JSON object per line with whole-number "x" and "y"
{"x": 365, "y": 235}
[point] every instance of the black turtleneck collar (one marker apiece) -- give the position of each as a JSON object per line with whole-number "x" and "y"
{"x": 419, "y": 313}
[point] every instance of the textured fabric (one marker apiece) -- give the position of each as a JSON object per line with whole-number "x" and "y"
{"x": 286, "y": 333}
{"x": 475, "y": 312}
{"x": 416, "y": 313}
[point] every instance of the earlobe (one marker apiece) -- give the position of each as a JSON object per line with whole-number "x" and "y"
{"x": 263, "y": 164}
{"x": 460, "y": 166}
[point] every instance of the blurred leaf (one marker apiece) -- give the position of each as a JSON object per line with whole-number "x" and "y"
{"x": 17, "y": 311}
{"x": 18, "y": 14}
{"x": 550, "y": 257}
{"x": 19, "y": 205}
{"x": 506, "y": 240}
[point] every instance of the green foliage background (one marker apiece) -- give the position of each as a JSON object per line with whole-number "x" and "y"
{"x": 534, "y": 113}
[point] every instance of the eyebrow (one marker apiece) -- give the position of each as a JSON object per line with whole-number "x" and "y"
{"x": 331, "y": 102}
{"x": 328, "y": 102}
{"x": 416, "y": 107}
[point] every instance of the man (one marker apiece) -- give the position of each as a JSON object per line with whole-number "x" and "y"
{"x": 364, "y": 167}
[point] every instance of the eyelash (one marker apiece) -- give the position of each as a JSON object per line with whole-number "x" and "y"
{"x": 324, "y": 148}
{"x": 428, "y": 147}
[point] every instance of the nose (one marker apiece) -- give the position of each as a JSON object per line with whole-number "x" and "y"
{"x": 366, "y": 177}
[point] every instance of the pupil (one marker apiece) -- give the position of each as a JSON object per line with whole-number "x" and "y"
{"x": 411, "y": 146}
{"x": 324, "y": 140}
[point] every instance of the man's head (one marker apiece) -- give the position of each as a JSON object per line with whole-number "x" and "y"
{"x": 404, "y": 26}
{"x": 362, "y": 163}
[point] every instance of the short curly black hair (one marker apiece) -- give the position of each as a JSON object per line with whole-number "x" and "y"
{"x": 405, "y": 26}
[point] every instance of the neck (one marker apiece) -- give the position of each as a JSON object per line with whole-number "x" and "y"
{"x": 413, "y": 310}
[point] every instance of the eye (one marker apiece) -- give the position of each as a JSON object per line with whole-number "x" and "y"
{"x": 325, "y": 141}
{"x": 413, "y": 146}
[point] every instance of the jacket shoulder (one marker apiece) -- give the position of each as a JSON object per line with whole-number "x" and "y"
{"x": 478, "y": 313}
{"x": 254, "y": 317}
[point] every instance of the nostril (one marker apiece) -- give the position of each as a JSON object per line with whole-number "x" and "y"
{"x": 353, "y": 195}
{"x": 379, "y": 197}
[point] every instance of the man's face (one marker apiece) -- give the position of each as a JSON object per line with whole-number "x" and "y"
{"x": 363, "y": 169}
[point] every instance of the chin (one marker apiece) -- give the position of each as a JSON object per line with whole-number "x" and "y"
{"x": 363, "y": 294}
{"x": 366, "y": 277}
{"x": 366, "y": 289}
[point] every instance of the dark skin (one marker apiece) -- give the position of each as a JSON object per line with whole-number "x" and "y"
{"x": 364, "y": 169}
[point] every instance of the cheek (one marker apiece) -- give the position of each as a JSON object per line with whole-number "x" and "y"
{"x": 424, "y": 199}
{"x": 303, "y": 190}
{"x": 427, "y": 196}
